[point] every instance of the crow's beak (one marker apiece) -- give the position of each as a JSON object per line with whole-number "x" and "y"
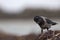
{"x": 54, "y": 23}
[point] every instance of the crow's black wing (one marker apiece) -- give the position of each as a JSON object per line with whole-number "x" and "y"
{"x": 50, "y": 22}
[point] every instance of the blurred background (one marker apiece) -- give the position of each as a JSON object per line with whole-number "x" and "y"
{"x": 16, "y": 16}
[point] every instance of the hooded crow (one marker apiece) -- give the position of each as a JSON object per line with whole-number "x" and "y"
{"x": 44, "y": 22}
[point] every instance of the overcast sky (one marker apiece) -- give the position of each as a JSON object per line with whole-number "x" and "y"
{"x": 19, "y": 5}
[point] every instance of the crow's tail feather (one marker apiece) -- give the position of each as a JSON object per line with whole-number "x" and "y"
{"x": 54, "y": 23}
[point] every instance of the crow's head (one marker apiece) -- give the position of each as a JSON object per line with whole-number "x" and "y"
{"x": 38, "y": 20}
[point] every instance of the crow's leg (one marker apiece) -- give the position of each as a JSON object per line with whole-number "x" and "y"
{"x": 41, "y": 30}
{"x": 47, "y": 33}
{"x": 47, "y": 29}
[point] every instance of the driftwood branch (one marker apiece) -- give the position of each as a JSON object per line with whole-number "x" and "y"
{"x": 50, "y": 35}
